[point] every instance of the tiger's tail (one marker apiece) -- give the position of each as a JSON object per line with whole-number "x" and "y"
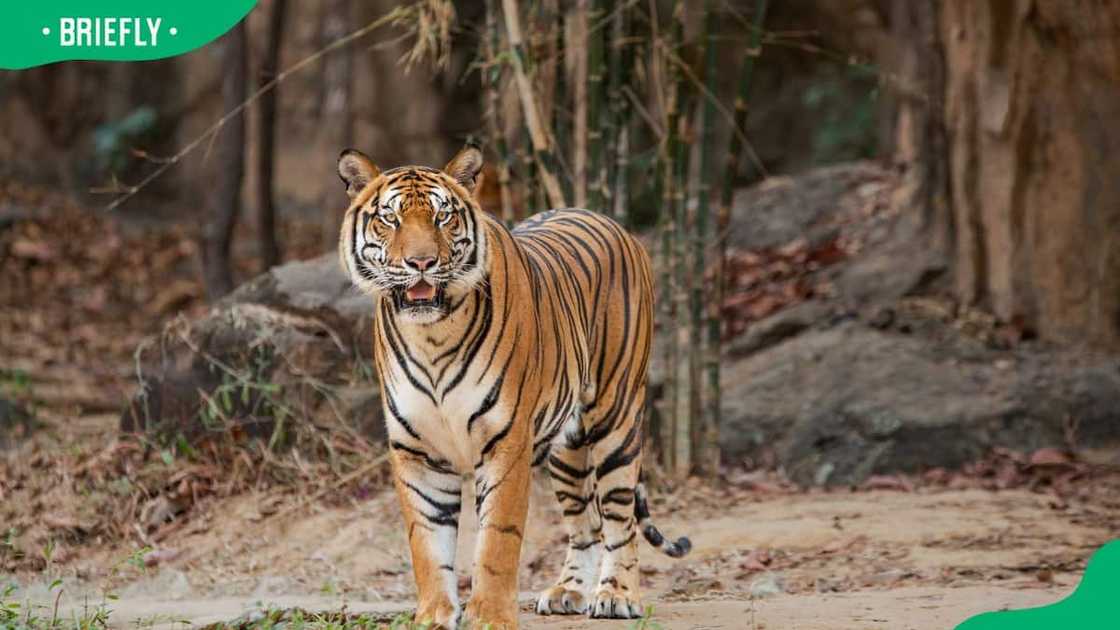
{"x": 668, "y": 547}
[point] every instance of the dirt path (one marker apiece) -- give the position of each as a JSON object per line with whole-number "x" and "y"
{"x": 840, "y": 560}
{"x": 908, "y": 608}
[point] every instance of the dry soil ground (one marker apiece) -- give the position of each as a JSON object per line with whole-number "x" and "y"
{"x": 842, "y": 560}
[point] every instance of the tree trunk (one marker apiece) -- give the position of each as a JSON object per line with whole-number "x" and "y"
{"x": 229, "y": 160}
{"x": 916, "y": 55}
{"x": 1032, "y": 215}
{"x": 266, "y": 139}
{"x": 337, "y": 112}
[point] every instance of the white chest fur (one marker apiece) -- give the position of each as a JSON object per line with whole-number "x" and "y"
{"x": 435, "y": 399}
{"x": 445, "y": 426}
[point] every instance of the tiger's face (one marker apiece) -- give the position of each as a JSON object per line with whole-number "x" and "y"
{"x": 413, "y": 234}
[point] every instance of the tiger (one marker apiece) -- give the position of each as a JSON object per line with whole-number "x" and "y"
{"x": 500, "y": 351}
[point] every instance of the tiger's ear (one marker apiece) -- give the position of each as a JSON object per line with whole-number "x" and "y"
{"x": 465, "y": 167}
{"x": 356, "y": 170}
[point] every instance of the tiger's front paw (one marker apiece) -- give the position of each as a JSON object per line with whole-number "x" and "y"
{"x": 561, "y": 601}
{"x": 612, "y": 602}
{"x": 489, "y": 615}
{"x": 441, "y": 615}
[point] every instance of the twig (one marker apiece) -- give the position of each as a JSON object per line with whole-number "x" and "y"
{"x": 54, "y": 614}
{"x": 654, "y": 126}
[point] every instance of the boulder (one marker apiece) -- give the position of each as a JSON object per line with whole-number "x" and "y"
{"x": 290, "y": 347}
{"x": 877, "y": 374}
{"x": 783, "y": 208}
{"x": 836, "y": 404}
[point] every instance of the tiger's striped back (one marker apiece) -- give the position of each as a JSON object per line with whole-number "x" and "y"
{"x": 592, "y": 290}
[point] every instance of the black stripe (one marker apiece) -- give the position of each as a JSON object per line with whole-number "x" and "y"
{"x": 489, "y": 401}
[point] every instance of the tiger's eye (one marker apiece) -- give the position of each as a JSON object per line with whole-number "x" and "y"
{"x": 387, "y": 216}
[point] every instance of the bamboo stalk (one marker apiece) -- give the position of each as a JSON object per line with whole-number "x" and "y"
{"x": 731, "y": 168}
{"x": 491, "y": 85}
{"x": 616, "y": 118}
{"x": 543, "y": 157}
{"x": 542, "y": 50}
{"x": 579, "y": 106}
{"x": 705, "y": 436}
{"x": 559, "y": 103}
{"x": 620, "y": 197}
{"x": 664, "y": 89}
{"x": 597, "y": 193}
{"x": 723, "y": 220}
{"x": 531, "y": 184}
{"x": 682, "y": 395}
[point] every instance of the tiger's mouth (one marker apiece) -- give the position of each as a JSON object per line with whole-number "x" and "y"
{"x": 422, "y": 295}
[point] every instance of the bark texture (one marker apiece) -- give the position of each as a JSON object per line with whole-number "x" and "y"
{"x": 1032, "y": 100}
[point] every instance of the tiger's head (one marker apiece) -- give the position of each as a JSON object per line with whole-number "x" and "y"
{"x": 413, "y": 234}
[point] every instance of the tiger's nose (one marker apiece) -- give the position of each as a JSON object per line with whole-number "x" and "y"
{"x": 420, "y": 263}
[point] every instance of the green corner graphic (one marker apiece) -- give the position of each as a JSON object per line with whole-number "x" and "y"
{"x": 34, "y": 32}
{"x": 1093, "y": 605}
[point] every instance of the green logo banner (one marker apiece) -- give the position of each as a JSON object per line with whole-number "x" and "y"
{"x": 1093, "y": 606}
{"x": 37, "y": 32}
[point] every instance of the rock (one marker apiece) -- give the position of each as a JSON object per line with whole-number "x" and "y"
{"x": 878, "y": 373}
{"x": 292, "y": 342}
{"x": 767, "y": 585}
{"x": 781, "y": 209}
{"x": 850, "y": 203}
{"x": 898, "y": 263}
{"x": 889, "y": 577}
{"x": 829, "y": 585}
{"x": 777, "y": 328}
{"x": 840, "y": 404}
{"x": 881, "y": 318}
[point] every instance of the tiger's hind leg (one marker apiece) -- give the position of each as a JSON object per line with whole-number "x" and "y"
{"x": 616, "y": 457}
{"x": 573, "y": 483}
